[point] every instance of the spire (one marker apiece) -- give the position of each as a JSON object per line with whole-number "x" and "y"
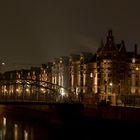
{"x": 108, "y": 50}
{"x": 121, "y": 47}
{"x": 110, "y": 37}
{"x": 110, "y": 33}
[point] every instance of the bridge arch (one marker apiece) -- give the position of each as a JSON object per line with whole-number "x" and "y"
{"x": 33, "y": 90}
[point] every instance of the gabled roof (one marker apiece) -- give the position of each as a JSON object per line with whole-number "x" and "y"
{"x": 121, "y": 47}
{"x": 131, "y": 55}
{"x": 110, "y": 49}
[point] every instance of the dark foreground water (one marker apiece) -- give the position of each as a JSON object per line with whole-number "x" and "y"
{"x": 22, "y": 125}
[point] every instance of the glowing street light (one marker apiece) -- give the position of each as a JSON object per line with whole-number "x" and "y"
{"x": 111, "y": 84}
{"x": 62, "y": 91}
{"x": 43, "y": 90}
{"x": 3, "y": 64}
{"x": 137, "y": 68}
{"x": 27, "y": 90}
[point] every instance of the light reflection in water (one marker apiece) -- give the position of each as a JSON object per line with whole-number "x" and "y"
{"x": 11, "y": 129}
{"x": 24, "y": 125}
{"x": 25, "y": 135}
{"x": 15, "y": 132}
{"x": 4, "y": 121}
{"x": 4, "y": 128}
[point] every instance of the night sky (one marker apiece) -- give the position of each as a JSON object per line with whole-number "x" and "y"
{"x": 36, "y": 31}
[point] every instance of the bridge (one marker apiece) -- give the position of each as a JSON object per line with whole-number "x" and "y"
{"x": 34, "y": 91}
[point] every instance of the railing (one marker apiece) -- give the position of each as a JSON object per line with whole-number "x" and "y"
{"x": 38, "y": 97}
{"x": 129, "y": 100}
{"x": 38, "y": 91}
{"x": 126, "y": 100}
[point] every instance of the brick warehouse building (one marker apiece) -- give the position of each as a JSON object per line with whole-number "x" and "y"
{"x": 111, "y": 73}
{"x": 118, "y": 70}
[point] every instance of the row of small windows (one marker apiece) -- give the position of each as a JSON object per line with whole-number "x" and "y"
{"x": 134, "y": 75}
{"x": 136, "y": 83}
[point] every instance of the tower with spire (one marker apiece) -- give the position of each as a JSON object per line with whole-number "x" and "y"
{"x": 109, "y": 65}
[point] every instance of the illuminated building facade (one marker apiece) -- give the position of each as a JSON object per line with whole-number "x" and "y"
{"x": 16, "y": 84}
{"x": 74, "y": 63}
{"x": 118, "y": 70}
{"x": 134, "y": 72}
{"x": 109, "y": 73}
{"x": 111, "y": 61}
{"x": 83, "y": 75}
{"x": 46, "y": 72}
{"x": 60, "y": 72}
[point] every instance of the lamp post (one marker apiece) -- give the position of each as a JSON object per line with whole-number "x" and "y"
{"x": 112, "y": 94}
{"x": 106, "y": 90}
{"x": 110, "y": 84}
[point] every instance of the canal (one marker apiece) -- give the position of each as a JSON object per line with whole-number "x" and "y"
{"x": 21, "y": 124}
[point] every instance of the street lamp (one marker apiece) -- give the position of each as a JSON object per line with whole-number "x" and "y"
{"x": 2, "y": 64}
{"x": 111, "y": 84}
{"x": 62, "y": 92}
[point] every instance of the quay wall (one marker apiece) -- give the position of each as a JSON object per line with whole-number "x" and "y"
{"x": 114, "y": 113}
{"x": 57, "y": 113}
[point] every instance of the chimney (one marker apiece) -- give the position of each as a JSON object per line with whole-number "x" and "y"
{"x": 135, "y": 51}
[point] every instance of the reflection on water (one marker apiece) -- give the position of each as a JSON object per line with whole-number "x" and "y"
{"x": 13, "y": 127}
{"x": 15, "y": 131}
{"x": 12, "y": 130}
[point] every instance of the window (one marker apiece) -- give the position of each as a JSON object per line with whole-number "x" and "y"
{"x": 137, "y": 83}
